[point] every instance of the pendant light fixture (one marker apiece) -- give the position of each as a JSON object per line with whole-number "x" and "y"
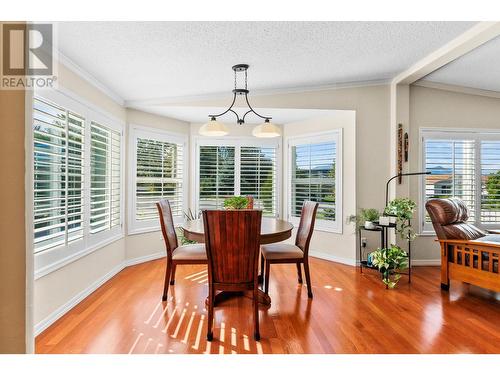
{"x": 215, "y": 128}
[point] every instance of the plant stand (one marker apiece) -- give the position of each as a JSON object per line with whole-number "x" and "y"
{"x": 384, "y": 234}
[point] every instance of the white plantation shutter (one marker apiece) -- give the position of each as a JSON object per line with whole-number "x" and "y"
{"x": 452, "y": 167}
{"x": 313, "y": 165}
{"x": 159, "y": 175}
{"x": 216, "y": 175}
{"x": 490, "y": 182}
{"x": 58, "y": 162}
{"x": 105, "y": 166}
{"x": 258, "y": 177}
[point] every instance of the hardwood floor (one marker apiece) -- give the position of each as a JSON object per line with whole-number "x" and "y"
{"x": 350, "y": 313}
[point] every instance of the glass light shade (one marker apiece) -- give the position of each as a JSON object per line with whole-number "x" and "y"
{"x": 266, "y": 130}
{"x": 213, "y": 128}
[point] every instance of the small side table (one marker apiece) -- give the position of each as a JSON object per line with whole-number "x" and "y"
{"x": 384, "y": 233}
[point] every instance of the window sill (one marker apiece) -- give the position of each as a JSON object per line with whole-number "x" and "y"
{"x": 44, "y": 271}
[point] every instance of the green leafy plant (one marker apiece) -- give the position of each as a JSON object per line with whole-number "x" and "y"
{"x": 235, "y": 203}
{"x": 402, "y": 209}
{"x": 365, "y": 214}
{"x": 390, "y": 261}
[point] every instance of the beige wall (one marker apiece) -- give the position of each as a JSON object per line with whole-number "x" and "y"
{"x": 443, "y": 109}
{"x": 12, "y": 224}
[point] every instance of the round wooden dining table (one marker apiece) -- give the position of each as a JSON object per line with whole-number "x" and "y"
{"x": 271, "y": 230}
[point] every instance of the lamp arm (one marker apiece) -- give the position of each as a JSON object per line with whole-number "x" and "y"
{"x": 400, "y": 175}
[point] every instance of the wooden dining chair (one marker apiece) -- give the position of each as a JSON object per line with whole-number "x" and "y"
{"x": 298, "y": 253}
{"x": 232, "y": 240}
{"x": 185, "y": 254}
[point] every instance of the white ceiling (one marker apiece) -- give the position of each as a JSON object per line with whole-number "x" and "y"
{"x": 148, "y": 60}
{"x": 479, "y": 69}
{"x": 200, "y": 114}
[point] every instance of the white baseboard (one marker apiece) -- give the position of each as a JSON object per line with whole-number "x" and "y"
{"x": 426, "y": 262}
{"x": 333, "y": 258}
{"x": 143, "y": 259}
{"x": 59, "y": 312}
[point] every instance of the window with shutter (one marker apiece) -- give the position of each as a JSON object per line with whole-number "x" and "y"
{"x": 58, "y": 163}
{"x": 466, "y": 165}
{"x": 258, "y": 177}
{"x": 237, "y": 167}
{"x": 105, "y": 173}
{"x": 158, "y": 159}
{"x": 314, "y": 164}
{"x": 490, "y": 182}
{"x": 217, "y": 180}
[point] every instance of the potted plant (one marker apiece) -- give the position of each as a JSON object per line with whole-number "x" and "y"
{"x": 189, "y": 215}
{"x": 366, "y": 217}
{"x": 402, "y": 209}
{"x": 236, "y": 203}
{"x": 390, "y": 261}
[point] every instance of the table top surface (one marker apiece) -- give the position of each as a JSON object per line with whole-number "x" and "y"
{"x": 269, "y": 226}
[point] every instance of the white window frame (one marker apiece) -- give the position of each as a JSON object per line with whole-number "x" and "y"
{"x": 476, "y": 135}
{"x": 320, "y": 137}
{"x": 139, "y": 131}
{"x": 236, "y": 142}
{"x": 54, "y": 258}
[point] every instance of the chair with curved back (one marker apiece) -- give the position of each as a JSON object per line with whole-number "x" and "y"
{"x": 298, "y": 253}
{"x": 232, "y": 239}
{"x": 468, "y": 254}
{"x": 185, "y": 254}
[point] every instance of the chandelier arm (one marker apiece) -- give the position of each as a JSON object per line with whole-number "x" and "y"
{"x": 253, "y": 110}
{"x": 227, "y": 110}
{"x": 236, "y": 114}
{"x": 246, "y": 113}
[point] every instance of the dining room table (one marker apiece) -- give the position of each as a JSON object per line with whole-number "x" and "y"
{"x": 272, "y": 230}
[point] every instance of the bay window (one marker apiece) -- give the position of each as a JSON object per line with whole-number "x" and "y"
{"x": 77, "y": 179}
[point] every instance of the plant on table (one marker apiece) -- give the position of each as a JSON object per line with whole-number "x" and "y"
{"x": 235, "y": 203}
{"x": 189, "y": 215}
{"x": 402, "y": 209}
{"x": 390, "y": 261}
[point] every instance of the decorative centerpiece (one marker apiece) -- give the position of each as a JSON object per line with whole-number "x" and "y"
{"x": 236, "y": 203}
{"x": 390, "y": 262}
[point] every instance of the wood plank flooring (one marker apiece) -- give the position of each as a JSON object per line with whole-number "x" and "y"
{"x": 350, "y": 313}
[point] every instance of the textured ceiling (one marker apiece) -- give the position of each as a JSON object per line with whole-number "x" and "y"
{"x": 143, "y": 60}
{"x": 479, "y": 69}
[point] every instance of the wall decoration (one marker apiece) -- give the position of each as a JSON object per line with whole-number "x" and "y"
{"x": 400, "y": 152}
{"x": 406, "y": 147}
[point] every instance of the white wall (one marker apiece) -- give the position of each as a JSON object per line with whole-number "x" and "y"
{"x": 431, "y": 107}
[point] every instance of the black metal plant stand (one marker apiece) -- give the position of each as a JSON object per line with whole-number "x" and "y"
{"x": 384, "y": 234}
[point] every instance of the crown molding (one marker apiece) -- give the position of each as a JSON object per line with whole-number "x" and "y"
{"x": 265, "y": 92}
{"x": 457, "y": 89}
{"x": 86, "y": 76}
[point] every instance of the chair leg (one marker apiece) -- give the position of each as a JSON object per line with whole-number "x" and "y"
{"x": 256, "y": 331}
{"x": 172, "y": 278}
{"x": 210, "y": 320}
{"x": 299, "y": 273}
{"x": 308, "y": 278}
{"x": 267, "y": 274}
{"x": 167, "y": 280}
